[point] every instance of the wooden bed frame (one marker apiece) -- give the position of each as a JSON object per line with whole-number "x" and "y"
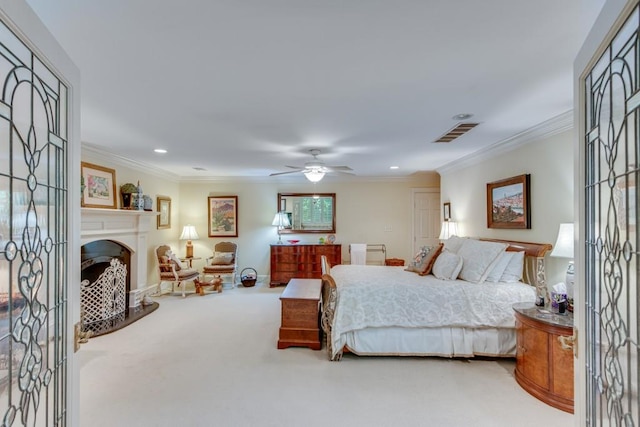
{"x": 533, "y": 274}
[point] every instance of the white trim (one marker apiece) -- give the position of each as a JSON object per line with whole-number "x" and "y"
{"x": 553, "y": 126}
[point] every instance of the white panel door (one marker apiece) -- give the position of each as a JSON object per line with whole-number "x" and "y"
{"x": 426, "y": 218}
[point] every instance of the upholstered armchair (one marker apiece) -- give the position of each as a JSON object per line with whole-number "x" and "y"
{"x": 223, "y": 262}
{"x": 172, "y": 270}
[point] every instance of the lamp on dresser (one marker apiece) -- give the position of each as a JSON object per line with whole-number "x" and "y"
{"x": 189, "y": 233}
{"x": 281, "y": 220}
{"x": 564, "y": 249}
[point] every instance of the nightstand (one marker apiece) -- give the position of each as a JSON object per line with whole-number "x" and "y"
{"x": 543, "y": 367}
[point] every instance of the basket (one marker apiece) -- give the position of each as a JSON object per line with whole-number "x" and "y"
{"x": 248, "y": 280}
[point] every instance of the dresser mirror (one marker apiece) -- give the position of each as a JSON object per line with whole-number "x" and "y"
{"x": 308, "y": 212}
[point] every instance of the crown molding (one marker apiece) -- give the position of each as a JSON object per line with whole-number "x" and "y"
{"x": 126, "y": 162}
{"x": 113, "y": 158}
{"x": 546, "y": 129}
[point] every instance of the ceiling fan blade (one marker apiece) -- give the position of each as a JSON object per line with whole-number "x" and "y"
{"x": 339, "y": 168}
{"x": 299, "y": 168}
{"x": 287, "y": 172}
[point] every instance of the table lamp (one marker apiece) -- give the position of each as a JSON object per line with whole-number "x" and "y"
{"x": 189, "y": 233}
{"x": 449, "y": 228}
{"x": 564, "y": 249}
{"x": 281, "y": 220}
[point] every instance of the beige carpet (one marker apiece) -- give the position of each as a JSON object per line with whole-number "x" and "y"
{"x": 212, "y": 361}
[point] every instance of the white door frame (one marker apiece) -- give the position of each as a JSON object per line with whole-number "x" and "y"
{"x": 25, "y": 23}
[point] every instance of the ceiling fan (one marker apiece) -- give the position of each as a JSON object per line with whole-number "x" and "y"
{"x": 316, "y": 169}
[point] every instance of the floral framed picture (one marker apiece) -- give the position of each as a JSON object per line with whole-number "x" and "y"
{"x": 223, "y": 216}
{"x": 508, "y": 203}
{"x": 163, "y": 204}
{"x": 98, "y": 186}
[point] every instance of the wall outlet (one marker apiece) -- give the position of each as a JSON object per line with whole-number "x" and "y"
{"x": 388, "y": 229}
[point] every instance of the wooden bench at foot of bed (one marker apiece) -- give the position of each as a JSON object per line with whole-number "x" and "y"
{"x": 301, "y": 314}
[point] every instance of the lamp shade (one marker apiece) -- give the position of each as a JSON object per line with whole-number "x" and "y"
{"x": 189, "y": 233}
{"x": 281, "y": 219}
{"x": 314, "y": 175}
{"x": 564, "y": 243}
{"x": 449, "y": 228}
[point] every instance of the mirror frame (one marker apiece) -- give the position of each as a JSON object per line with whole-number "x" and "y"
{"x": 306, "y": 231}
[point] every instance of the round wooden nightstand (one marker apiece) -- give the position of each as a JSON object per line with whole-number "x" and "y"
{"x": 543, "y": 367}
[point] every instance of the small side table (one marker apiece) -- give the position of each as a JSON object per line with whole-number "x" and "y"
{"x": 544, "y": 368}
{"x": 189, "y": 260}
{"x": 395, "y": 262}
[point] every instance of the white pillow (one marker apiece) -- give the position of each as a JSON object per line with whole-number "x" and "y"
{"x": 498, "y": 268}
{"x": 447, "y": 266}
{"x": 222, "y": 258}
{"x": 513, "y": 272}
{"x": 453, "y": 243}
{"x": 478, "y": 258}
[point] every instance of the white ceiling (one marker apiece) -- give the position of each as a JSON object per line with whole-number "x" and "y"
{"x": 244, "y": 87}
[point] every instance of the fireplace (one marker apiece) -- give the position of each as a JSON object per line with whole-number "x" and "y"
{"x": 114, "y": 268}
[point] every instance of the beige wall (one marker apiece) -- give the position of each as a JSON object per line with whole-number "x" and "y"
{"x": 550, "y": 163}
{"x": 365, "y": 208}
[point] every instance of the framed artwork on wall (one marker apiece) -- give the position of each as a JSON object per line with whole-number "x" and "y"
{"x": 223, "y": 216}
{"x": 98, "y": 186}
{"x": 163, "y": 204}
{"x": 508, "y": 204}
{"x": 446, "y": 211}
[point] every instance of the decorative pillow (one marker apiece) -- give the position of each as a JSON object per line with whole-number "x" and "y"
{"x": 498, "y": 268}
{"x": 222, "y": 258}
{"x": 478, "y": 259}
{"x": 433, "y": 256}
{"x": 422, "y": 260}
{"x": 175, "y": 260}
{"x": 447, "y": 266}
{"x": 515, "y": 267}
{"x": 454, "y": 243}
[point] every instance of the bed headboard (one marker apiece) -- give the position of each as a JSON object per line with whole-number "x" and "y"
{"x": 534, "y": 265}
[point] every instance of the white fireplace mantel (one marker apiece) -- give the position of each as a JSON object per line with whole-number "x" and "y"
{"x": 127, "y": 227}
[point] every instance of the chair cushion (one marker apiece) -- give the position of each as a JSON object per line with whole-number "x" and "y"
{"x": 219, "y": 268}
{"x": 222, "y": 258}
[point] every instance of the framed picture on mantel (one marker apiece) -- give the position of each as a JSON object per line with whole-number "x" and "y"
{"x": 98, "y": 187}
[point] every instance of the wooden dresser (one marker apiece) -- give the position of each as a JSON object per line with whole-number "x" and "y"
{"x": 543, "y": 367}
{"x": 301, "y": 261}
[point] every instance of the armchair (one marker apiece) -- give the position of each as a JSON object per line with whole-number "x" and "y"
{"x": 171, "y": 270}
{"x": 223, "y": 262}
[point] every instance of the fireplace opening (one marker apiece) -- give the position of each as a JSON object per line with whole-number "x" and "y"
{"x": 105, "y": 287}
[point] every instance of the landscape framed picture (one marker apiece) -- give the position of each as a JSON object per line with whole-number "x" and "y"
{"x": 98, "y": 187}
{"x": 508, "y": 204}
{"x": 223, "y": 216}
{"x": 164, "y": 207}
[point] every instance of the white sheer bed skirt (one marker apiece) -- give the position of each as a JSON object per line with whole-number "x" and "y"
{"x": 444, "y": 342}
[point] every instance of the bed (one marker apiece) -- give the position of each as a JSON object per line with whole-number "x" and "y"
{"x": 381, "y": 310}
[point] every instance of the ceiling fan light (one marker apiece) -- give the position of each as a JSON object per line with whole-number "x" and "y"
{"x": 314, "y": 175}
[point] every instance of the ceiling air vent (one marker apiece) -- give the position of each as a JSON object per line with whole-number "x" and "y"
{"x": 457, "y": 131}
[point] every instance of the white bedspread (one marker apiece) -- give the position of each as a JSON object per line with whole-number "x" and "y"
{"x": 372, "y": 296}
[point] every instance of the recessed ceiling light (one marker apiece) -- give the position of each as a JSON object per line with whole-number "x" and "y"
{"x": 160, "y": 151}
{"x": 394, "y": 167}
{"x": 462, "y": 116}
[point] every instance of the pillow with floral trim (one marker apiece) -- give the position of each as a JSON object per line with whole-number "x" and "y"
{"x": 422, "y": 261}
